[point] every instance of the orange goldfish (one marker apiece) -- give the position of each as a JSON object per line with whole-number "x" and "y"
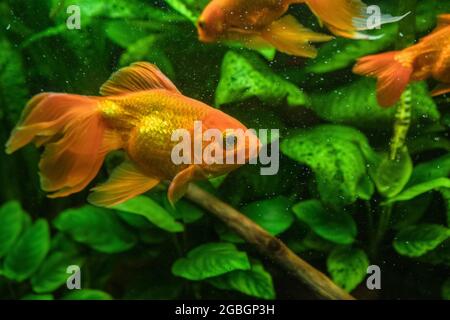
{"x": 138, "y": 112}
{"x": 261, "y": 24}
{"x": 395, "y": 70}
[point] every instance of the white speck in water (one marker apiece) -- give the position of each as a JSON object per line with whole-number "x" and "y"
{"x": 8, "y": 27}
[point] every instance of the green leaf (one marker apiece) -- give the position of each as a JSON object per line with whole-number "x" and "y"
{"x": 338, "y": 156}
{"x": 98, "y": 228}
{"x": 28, "y": 253}
{"x": 38, "y": 297}
{"x": 152, "y": 211}
{"x": 210, "y": 260}
{"x": 415, "y": 241}
{"x": 245, "y": 76}
{"x": 391, "y": 176}
{"x": 356, "y": 104}
{"x": 184, "y": 210}
{"x": 256, "y": 282}
{"x": 426, "y": 177}
{"x": 446, "y": 195}
{"x": 409, "y": 212}
{"x": 446, "y": 289}
{"x": 348, "y": 267}
{"x": 87, "y": 294}
{"x": 53, "y": 272}
{"x": 272, "y": 215}
{"x": 338, "y": 227}
{"x": 11, "y": 225}
{"x": 190, "y": 9}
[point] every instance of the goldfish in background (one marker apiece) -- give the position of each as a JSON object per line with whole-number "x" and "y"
{"x": 395, "y": 70}
{"x": 260, "y": 23}
{"x": 139, "y": 111}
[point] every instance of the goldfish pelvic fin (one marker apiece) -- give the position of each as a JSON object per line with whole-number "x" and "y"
{"x": 393, "y": 75}
{"x": 180, "y": 183}
{"x": 71, "y": 129}
{"x": 125, "y": 182}
{"x": 289, "y": 36}
{"x": 346, "y": 17}
{"x": 440, "y": 89}
{"x": 139, "y": 76}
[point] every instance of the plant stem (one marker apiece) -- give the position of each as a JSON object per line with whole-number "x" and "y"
{"x": 268, "y": 245}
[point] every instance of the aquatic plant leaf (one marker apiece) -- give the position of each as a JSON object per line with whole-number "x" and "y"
{"x": 53, "y": 271}
{"x": 356, "y": 104}
{"x": 210, "y": 260}
{"x": 152, "y": 211}
{"x": 415, "y": 241}
{"x": 245, "y": 76}
{"x": 29, "y": 252}
{"x": 391, "y": 176}
{"x": 426, "y": 177}
{"x": 98, "y": 228}
{"x": 11, "y": 225}
{"x": 338, "y": 156}
{"x": 445, "y": 291}
{"x": 191, "y": 9}
{"x": 87, "y": 294}
{"x": 446, "y": 195}
{"x": 406, "y": 213}
{"x": 336, "y": 226}
{"x": 348, "y": 267}
{"x": 184, "y": 210}
{"x": 38, "y": 297}
{"x": 256, "y": 282}
{"x": 273, "y": 215}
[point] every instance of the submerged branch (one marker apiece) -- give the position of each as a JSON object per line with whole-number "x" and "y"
{"x": 268, "y": 245}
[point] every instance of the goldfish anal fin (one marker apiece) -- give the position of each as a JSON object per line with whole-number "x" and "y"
{"x": 393, "y": 75}
{"x": 289, "y": 36}
{"x": 125, "y": 182}
{"x": 139, "y": 76}
{"x": 180, "y": 183}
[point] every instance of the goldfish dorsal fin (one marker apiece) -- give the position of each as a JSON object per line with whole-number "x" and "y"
{"x": 139, "y": 76}
{"x": 125, "y": 182}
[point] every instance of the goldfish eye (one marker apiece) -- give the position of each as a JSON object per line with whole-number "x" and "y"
{"x": 202, "y": 24}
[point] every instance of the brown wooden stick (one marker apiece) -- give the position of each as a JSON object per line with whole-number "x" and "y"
{"x": 268, "y": 245}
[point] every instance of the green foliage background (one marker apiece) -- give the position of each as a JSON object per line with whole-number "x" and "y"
{"x": 338, "y": 201}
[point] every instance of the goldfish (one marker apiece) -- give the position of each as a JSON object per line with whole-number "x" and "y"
{"x": 260, "y": 24}
{"x": 430, "y": 57}
{"x": 137, "y": 112}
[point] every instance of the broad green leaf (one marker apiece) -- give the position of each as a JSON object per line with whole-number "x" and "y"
{"x": 191, "y": 9}
{"x": 184, "y": 210}
{"x": 245, "y": 76}
{"x": 152, "y": 211}
{"x": 98, "y": 228}
{"x": 256, "y": 282}
{"x": 406, "y": 213}
{"x": 53, "y": 272}
{"x": 391, "y": 176}
{"x": 446, "y": 289}
{"x": 446, "y": 195}
{"x": 335, "y": 226}
{"x": 11, "y": 225}
{"x": 272, "y": 215}
{"x": 210, "y": 260}
{"x": 348, "y": 267}
{"x": 426, "y": 177}
{"x": 356, "y": 104}
{"x": 338, "y": 156}
{"x": 415, "y": 241}
{"x": 27, "y": 254}
{"x": 87, "y": 294}
{"x": 38, "y": 297}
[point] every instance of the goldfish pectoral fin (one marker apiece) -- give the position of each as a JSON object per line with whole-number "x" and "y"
{"x": 140, "y": 76}
{"x": 393, "y": 76}
{"x": 290, "y": 37}
{"x": 180, "y": 183}
{"x": 125, "y": 182}
{"x": 440, "y": 89}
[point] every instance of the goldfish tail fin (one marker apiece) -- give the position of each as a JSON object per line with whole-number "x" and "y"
{"x": 289, "y": 36}
{"x": 71, "y": 129}
{"x": 347, "y": 17}
{"x": 393, "y": 76}
{"x": 441, "y": 89}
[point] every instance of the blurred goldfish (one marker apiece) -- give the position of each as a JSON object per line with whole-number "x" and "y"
{"x": 395, "y": 70}
{"x": 260, "y": 23}
{"x": 138, "y": 113}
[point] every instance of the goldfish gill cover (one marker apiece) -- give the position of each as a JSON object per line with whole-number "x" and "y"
{"x": 353, "y": 177}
